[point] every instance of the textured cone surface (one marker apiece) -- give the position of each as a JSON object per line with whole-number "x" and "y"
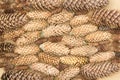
{"x": 28, "y": 38}
{"x": 35, "y": 25}
{"x": 68, "y": 73}
{"x": 74, "y": 60}
{"x": 49, "y": 59}
{"x": 7, "y": 47}
{"x": 80, "y": 5}
{"x": 98, "y": 36}
{"x": 12, "y": 21}
{"x": 72, "y": 41}
{"x": 102, "y": 56}
{"x": 55, "y": 48}
{"x": 79, "y": 20}
{"x": 39, "y": 14}
{"x": 99, "y": 70}
{"x": 24, "y": 60}
{"x": 83, "y": 30}
{"x": 60, "y": 17}
{"x": 111, "y": 18}
{"x": 28, "y": 49}
{"x": 22, "y": 75}
{"x": 44, "y": 5}
{"x": 84, "y": 50}
{"x": 45, "y": 68}
{"x": 8, "y": 35}
{"x": 56, "y": 30}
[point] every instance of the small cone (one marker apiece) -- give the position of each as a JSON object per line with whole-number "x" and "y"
{"x": 99, "y": 70}
{"x": 56, "y": 30}
{"x": 55, "y": 48}
{"x": 25, "y": 50}
{"x": 68, "y": 73}
{"x": 35, "y": 25}
{"x": 61, "y": 17}
{"x": 74, "y": 60}
{"x": 28, "y": 38}
{"x": 45, "y": 68}
{"x": 98, "y": 36}
{"x": 24, "y": 60}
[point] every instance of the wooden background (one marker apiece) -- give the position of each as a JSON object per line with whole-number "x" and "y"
{"x": 114, "y": 4}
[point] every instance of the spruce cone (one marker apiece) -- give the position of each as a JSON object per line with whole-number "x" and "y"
{"x": 68, "y": 73}
{"x": 83, "y": 30}
{"x": 39, "y": 14}
{"x": 24, "y": 60}
{"x": 86, "y": 5}
{"x": 45, "y": 68}
{"x": 7, "y": 47}
{"x": 28, "y": 38}
{"x": 106, "y": 17}
{"x": 12, "y": 21}
{"x": 49, "y": 59}
{"x": 61, "y": 17}
{"x": 12, "y": 34}
{"x": 102, "y": 56}
{"x": 74, "y": 60}
{"x": 28, "y": 49}
{"x": 98, "y": 70}
{"x": 98, "y": 36}
{"x": 84, "y": 50}
{"x": 55, "y": 48}
{"x": 72, "y": 41}
{"x": 35, "y": 25}
{"x": 56, "y": 30}
{"x": 22, "y": 75}
{"x": 79, "y": 20}
{"x": 49, "y": 5}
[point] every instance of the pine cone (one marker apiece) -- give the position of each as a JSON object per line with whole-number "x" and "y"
{"x": 35, "y": 25}
{"x": 61, "y": 17}
{"x": 86, "y": 5}
{"x": 49, "y": 5}
{"x": 102, "y": 56}
{"x": 98, "y": 70}
{"x": 98, "y": 36}
{"x": 22, "y": 75}
{"x": 83, "y": 30}
{"x": 55, "y": 48}
{"x": 28, "y": 38}
{"x": 45, "y": 68}
{"x": 24, "y": 60}
{"x": 49, "y": 59}
{"x": 56, "y": 30}
{"x": 74, "y": 60}
{"x": 12, "y": 34}
{"x": 68, "y": 73}
{"x": 84, "y": 50}
{"x": 7, "y": 47}
{"x": 73, "y": 41}
{"x": 106, "y": 17}
{"x": 28, "y": 49}
{"x": 12, "y": 21}
{"x": 79, "y": 20}
{"x": 39, "y": 14}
